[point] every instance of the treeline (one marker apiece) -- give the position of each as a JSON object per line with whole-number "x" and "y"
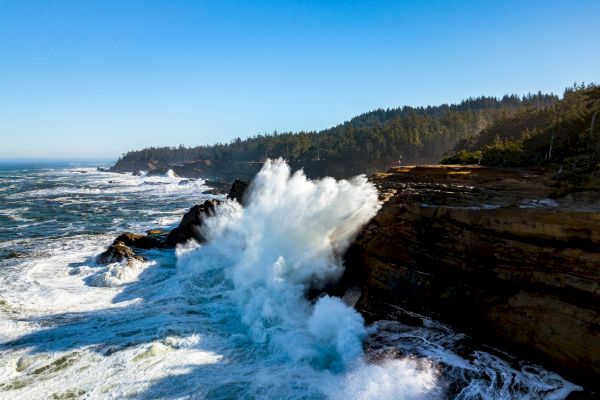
{"x": 566, "y": 134}
{"x": 409, "y": 134}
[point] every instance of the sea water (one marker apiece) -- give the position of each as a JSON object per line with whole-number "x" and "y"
{"x": 227, "y": 319}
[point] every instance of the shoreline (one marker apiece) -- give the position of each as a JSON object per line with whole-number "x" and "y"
{"x": 438, "y": 192}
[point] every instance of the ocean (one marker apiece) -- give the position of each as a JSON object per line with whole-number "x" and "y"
{"x": 227, "y": 319}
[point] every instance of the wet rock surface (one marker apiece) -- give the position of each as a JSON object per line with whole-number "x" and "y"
{"x": 118, "y": 252}
{"x": 238, "y": 190}
{"x": 191, "y": 221}
{"x": 495, "y": 253}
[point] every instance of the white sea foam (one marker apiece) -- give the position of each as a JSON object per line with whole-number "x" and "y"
{"x": 119, "y": 273}
{"x": 395, "y": 379}
{"x": 16, "y": 214}
{"x": 106, "y": 183}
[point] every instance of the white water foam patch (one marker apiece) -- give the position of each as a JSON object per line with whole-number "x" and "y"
{"x": 472, "y": 374}
{"x": 119, "y": 273}
{"x": 399, "y": 379}
{"x": 103, "y": 183}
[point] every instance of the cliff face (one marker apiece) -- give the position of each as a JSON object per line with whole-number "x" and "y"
{"x": 491, "y": 253}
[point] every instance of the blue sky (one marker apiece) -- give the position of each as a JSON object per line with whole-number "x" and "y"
{"x": 98, "y": 78}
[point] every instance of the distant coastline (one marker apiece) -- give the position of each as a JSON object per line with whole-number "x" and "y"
{"x": 36, "y": 163}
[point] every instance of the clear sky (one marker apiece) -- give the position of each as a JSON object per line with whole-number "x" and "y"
{"x": 98, "y": 78}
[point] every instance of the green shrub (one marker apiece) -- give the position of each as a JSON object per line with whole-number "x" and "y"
{"x": 504, "y": 154}
{"x": 463, "y": 157}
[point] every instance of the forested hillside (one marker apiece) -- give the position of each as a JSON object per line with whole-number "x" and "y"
{"x": 407, "y": 134}
{"x": 566, "y": 134}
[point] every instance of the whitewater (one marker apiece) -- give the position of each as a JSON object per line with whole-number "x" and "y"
{"x": 226, "y": 319}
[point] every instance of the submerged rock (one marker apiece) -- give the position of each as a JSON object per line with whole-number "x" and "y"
{"x": 457, "y": 243}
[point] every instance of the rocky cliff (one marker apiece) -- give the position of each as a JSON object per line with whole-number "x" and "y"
{"x": 496, "y": 253}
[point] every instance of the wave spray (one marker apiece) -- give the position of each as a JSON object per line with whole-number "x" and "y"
{"x": 289, "y": 238}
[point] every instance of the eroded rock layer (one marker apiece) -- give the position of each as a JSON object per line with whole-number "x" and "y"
{"x": 493, "y": 252}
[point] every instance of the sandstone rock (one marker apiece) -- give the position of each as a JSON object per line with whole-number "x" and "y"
{"x": 157, "y": 233}
{"x": 483, "y": 250}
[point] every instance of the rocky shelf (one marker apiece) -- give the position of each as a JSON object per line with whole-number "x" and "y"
{"x": 498, "y": 253}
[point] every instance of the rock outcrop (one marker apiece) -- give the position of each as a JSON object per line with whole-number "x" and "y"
{"x": 191, "y": 221}
{"x": 120, "y": 250}
{"x": 238, "y": 190}
{"x": 189, "y": 226}
{"x": 123, "y": 247}
{"x": 493, "y": 252}
{"x": 160, "y": 172}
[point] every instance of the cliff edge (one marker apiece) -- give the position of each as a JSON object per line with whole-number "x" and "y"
{"x": 497, "y": 253}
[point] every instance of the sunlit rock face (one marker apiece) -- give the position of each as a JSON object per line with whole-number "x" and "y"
{"x": 497, "y": 253}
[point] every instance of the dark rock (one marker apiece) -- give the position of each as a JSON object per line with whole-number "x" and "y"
{"x": 14, "y": 254}
{"x": 193, "y": 219}
{"x": 121, "y": 248}
{"x": 140, "y": 241}
{"x": 238, "y": 190}
{"x": 136, "y": 173}
{"x": 483, "y": 250}
{"x": 184, "y": 182}
{"x": 159, "y": 172}
{"x": 218, "y": 186}
{"x": 194, "y": 169}
{"x": 118, "y": 252}
{"x": 188, "y": 227}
